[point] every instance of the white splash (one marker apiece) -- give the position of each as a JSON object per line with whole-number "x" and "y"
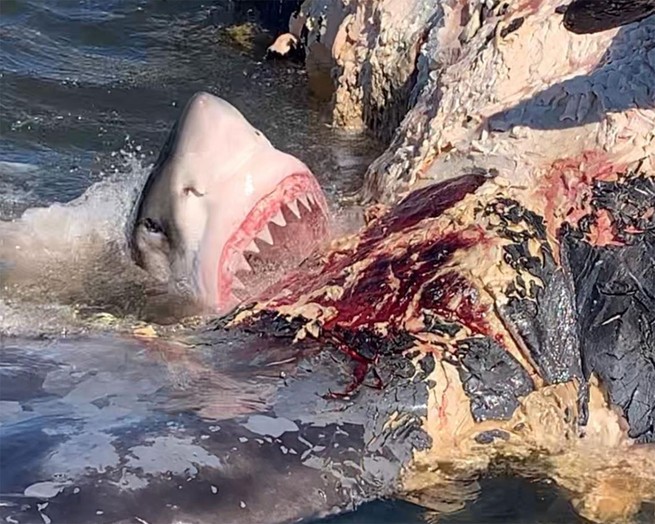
{"x": 54, "y": 258}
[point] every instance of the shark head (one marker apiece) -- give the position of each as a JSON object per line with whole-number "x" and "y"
{"x": 223, "y": 212}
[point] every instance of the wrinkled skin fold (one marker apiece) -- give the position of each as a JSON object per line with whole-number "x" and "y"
{"x": 593, "y": 16}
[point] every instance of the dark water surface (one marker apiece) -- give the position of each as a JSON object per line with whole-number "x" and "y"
{"x": 82, "y": 80}
{"x": 88, "y": 92}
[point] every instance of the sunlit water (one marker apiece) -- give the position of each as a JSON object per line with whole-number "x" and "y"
{"x": 89, "y": 90}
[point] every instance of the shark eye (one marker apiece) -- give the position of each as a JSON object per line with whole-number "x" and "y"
{"x": 152, "y": 226}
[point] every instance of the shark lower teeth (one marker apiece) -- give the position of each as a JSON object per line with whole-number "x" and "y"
{"x": 237, "y": 285}
{"x": 293, "y": 206}
{"x": 240, "y": 263}
{"x": 279, "y": 219}
{"x": 265, "y": 235}
{"x": 252, "y": 247}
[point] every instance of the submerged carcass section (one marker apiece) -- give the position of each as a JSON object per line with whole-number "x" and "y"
{"x": 527, "y": 306}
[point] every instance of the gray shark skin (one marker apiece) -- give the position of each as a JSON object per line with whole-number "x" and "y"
{"x": 106, "y": 431}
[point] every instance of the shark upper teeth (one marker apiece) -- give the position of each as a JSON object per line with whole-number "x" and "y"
{"x": 240, "y": 263}
{"x": 237, "y": 285}
{"x": 311, "y": 199}
{"x": 303, "y": 200}
{"x": 279, "y": 219}
{"x": 293, "y": 206}
{"x": 252, "y": 247}
{"x": 265, "y": 235}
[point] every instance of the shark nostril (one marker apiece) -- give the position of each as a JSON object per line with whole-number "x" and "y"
{"x": 192, "y": 190}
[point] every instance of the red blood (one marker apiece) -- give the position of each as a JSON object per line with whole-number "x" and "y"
{"x": 428, "y": 202}
{"x": 602, "y": 231}
{"x": 439, "y": 296}
{"x": 391, "y": 276}
{"x": 568, "y": 186}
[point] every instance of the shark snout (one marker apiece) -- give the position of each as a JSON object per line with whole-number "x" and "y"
{"x": 224, "y": 210}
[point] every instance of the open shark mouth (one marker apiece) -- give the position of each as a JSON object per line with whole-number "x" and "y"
{"x": 224, "y": 210}
{"x": 280, "y": 231}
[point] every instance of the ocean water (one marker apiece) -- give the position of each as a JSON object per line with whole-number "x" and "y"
{"x": 88, "y": 92}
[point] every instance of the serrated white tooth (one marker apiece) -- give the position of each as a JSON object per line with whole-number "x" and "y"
{"x": 237, "y": 285}
{"x": 279, "y": 219}
{"x": 265, "y": 235}
{"x": 252, "y": 247}
{"x": 304, "y": 201}
{"x": 240, "y": 263}
{"x": 311, "y": 199}
{"x": 293, "y": 206}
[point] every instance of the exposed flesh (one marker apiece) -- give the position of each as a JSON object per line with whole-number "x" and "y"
{"x": 527, "y": 298}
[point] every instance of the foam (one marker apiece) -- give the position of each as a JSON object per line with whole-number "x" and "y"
{"x": 54, "y": 259}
